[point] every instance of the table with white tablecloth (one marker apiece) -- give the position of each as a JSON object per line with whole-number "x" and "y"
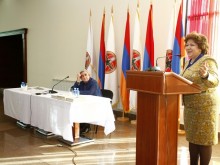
{"x": 17, "y": 103}
{"x": 56, "y": 113}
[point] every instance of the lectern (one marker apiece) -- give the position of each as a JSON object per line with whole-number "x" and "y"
{"x": 158, "y": 99}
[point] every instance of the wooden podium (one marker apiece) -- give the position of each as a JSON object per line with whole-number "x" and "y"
{"x": 158, "y": 99}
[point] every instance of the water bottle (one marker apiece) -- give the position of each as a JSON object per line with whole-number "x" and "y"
{"x": 77, "y": 92}
{"x": 23, "y": 84}
{"x": 74, "y": 92}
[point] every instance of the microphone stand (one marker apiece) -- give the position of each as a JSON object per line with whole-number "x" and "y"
{"x": 52, "y": 91}
{"x": 156, "y": 68}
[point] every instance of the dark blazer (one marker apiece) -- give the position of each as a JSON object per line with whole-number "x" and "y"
{"x": 89, "y": 88}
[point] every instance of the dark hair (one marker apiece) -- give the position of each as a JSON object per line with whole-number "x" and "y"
{"x": 199, "y": 39}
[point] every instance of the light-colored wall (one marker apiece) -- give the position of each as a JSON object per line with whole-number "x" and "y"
{"x": 57, "y": 31}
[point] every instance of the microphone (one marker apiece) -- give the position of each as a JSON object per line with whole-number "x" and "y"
{"x": 155, "y": 68}
{"x": 52, "y": 91}
{"x": 157, "y": 61}
{"x": 169, "y": 54}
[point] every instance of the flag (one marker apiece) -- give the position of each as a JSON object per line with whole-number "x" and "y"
{"x": 178, "y": 47}
{"x": 169, "y": 55}
{"x": 111, "y": 77}
{"x": 136, "y": 63}
{"x": 89, "y": 61}
{"x": 171, "y": 29}
{"x": 169, "y": 51}
{"x": 149, "y": 43}
{"x": 101, "y": 71}
{"x": 136, "y": 54}
{"x": 125, "y": 66}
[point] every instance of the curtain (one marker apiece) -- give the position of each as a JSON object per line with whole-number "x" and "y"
{"x": 203, "y": 17}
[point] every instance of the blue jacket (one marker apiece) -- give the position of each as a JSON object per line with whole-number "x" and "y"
{"x": 89, "y": 88}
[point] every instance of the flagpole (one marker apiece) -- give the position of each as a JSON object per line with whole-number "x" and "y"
{"x": 123, "y": 118}
{"x": 180, "y": 131}
{"x": 138, "y": 4}
{"x": 101, "y": 67}
{"x": 136, "y": 52}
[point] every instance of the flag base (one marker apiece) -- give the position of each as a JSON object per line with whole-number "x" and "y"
{"x": 181, "y": 132}
{"x": 123, "y": 119}
{"x": 134, "y": 122}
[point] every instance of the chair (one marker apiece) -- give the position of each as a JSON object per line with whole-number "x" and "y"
{"x": 108, "y": 94}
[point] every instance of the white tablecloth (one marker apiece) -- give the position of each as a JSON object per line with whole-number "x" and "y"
{"x": 17, "y": 103}
{"x": 55, "y": 114}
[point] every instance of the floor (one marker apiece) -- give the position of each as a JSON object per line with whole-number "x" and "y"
{"x": 20, "y": 146}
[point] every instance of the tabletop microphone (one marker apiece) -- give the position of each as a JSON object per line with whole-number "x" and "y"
{"x": 156, "y": 68}
{"x": 158, "y": 59}
{"x": 52, "y": 91}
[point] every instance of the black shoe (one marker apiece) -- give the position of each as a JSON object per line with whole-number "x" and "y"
{"x": 86, "y": 130}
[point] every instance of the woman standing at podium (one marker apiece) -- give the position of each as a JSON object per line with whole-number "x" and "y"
{"x": 200, "y": 110}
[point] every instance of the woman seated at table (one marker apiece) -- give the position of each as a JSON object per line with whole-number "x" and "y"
{"x": 87, "y": 86}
